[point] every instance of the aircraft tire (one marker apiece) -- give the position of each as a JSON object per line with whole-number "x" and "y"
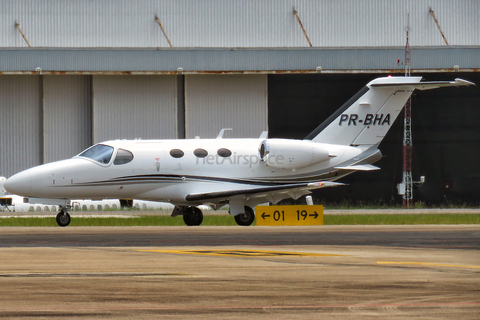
{"x": 63, "y": 219}
{"x": 193, "y": 216}
{"x": 245, "y": 219}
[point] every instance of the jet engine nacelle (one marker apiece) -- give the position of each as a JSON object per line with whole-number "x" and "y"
{"x": 291, "y": 154}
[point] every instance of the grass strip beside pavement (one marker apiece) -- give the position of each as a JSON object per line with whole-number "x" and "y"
{"x": 401, "y": 219}
{"x": 374, "y": 219}
{"x": 115, "y": 222}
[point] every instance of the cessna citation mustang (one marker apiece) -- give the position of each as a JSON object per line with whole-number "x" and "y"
{"x": 240, "y": 172}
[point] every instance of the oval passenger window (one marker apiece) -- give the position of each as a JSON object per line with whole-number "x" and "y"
{"x": 176, "y": 153}
{"x": 123, "y": 157}
{"x": 224, "y": 152}
{"x": 201, "y": 153}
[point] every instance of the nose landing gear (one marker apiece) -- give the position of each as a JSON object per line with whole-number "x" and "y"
{"x": 63, "y": 218}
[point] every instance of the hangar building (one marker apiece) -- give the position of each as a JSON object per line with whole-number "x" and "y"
{"x": 79, "y": 72}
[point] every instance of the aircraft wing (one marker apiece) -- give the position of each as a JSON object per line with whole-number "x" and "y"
{"x": 263, "y": 194}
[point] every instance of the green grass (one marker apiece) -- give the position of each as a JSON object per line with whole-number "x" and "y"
{"x": 115, "y": 222}
{"x": 377, "y": 219}
{"x": 402, "y": 219}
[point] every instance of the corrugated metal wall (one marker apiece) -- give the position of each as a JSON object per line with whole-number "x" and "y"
{"x": 67, "y": 126}
{"x": 213, "y": 102}
{"x": 129, "y": 107}
{"x": 20, "y": 123}
{"x": 245, "y": 23}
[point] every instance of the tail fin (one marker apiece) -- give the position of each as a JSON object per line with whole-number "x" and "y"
{"x": 366, "y": 118}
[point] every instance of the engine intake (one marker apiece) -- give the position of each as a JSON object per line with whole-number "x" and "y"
{"x": 291, "y": 154}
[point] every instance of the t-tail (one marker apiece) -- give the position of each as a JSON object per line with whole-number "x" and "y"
{"x": 365, "y": 119}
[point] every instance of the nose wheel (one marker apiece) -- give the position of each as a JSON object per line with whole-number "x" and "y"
{"x": 63, "y": 218}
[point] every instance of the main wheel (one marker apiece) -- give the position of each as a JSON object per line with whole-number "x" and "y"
{"x": 63, "y": 219}
{"x": 246, "y": 218}
{"x": 193, "y": 216}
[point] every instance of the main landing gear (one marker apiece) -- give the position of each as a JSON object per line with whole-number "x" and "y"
{"x": 63, "y": 218}
{"x": 246, "y": 218}
{"x": 193, "y": 216}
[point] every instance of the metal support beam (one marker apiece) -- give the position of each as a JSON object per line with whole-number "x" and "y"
{"x": 163, "y": 30}
{"x": 21, "y": 32}
{"x": 295, "y": 12}
{"x": 438, "y": 25}
{"x": 180, "y": 88}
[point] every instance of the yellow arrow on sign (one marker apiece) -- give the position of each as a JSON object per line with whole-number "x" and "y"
{"x": 289, "y": 215}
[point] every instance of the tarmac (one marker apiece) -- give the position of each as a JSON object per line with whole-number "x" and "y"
{"x": 320, "y": 272}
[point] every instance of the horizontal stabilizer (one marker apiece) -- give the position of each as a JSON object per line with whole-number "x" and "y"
{"x": 359, "y": 167}
{"x": 426, "y": 85}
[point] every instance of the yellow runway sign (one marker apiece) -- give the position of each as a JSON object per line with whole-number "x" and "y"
{"x": 289, "y": 215}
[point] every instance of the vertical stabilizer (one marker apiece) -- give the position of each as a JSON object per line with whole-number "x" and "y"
{"x": 366, "y": 118}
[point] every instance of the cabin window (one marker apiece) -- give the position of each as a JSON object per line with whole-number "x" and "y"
{"x": 176, "y": 153}
{"x": 224, "y": 152}
{"x": 201, "y": 153}
{"x": 123, "y": 157}
{"x": 100, "y": 153}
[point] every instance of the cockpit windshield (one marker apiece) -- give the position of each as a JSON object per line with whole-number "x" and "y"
{"x": 100, "y": 153}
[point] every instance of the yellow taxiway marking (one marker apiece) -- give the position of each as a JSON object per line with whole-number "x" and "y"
{"x": 246, "y": 253}
{"x": 429, "y": 264}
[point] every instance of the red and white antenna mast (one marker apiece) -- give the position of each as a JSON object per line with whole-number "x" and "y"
{"x": 406, "y": 187}
{"x": 407, "y": 134}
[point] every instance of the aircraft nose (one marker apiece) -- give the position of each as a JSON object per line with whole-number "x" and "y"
{"x": 20, "y": 183}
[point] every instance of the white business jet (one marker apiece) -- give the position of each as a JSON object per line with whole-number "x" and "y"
{"x": 240, "y": 172}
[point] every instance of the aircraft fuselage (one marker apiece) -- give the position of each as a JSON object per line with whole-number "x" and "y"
{"x": 157, "y": 172}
